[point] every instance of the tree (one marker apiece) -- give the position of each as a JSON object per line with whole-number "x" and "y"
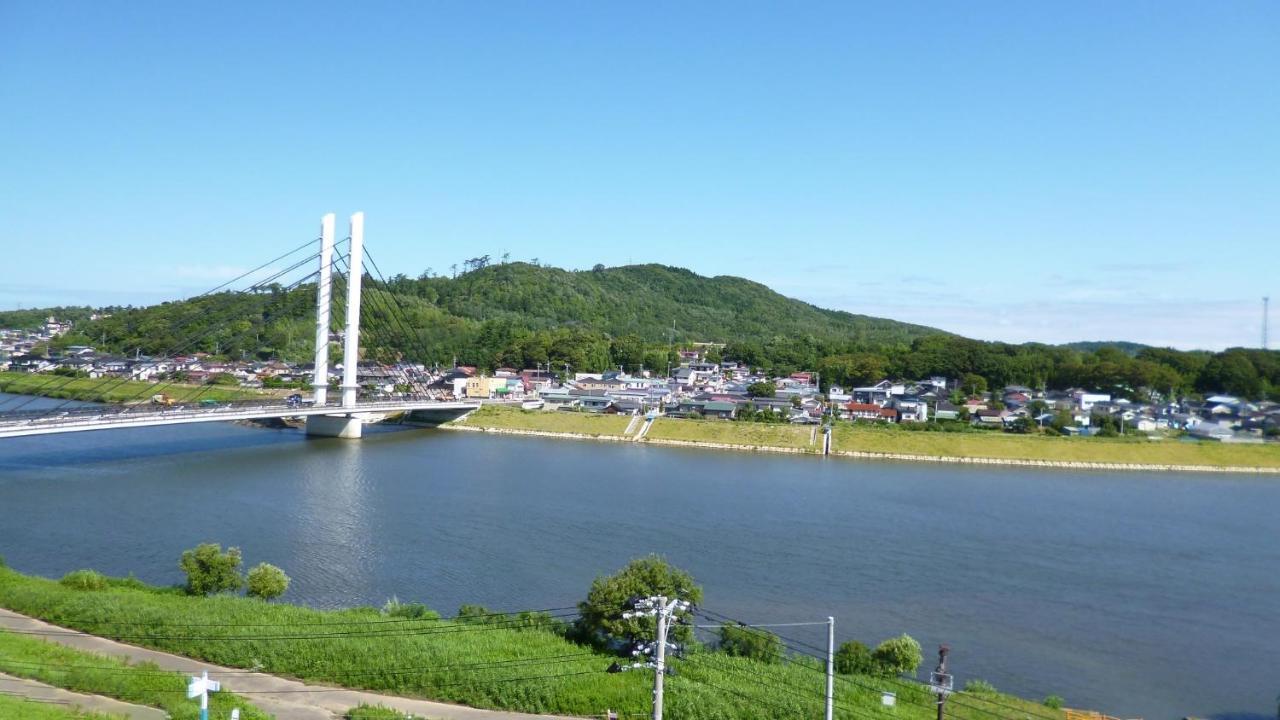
{"x": 973, "y": 384}
{"x": 209, "y": 570}
{"x": 741, "y": 641}
{"x": 897, "y": 656}
{"x": 267, "y": 581}
{"x": 597, "y": 268}
{"x": 854, "y": 658}
{"x": 643, "y": 577}
{"x": 762, "y": 389}
{"x": 1022, "y": 426}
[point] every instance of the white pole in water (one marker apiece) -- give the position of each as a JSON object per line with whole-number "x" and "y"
{"x": 320, "y": 382}
{"x": 351, "y": 347}
{"x": 831, "y": 666}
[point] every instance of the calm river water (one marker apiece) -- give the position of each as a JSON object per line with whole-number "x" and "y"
{"x": 1152, "y": 595}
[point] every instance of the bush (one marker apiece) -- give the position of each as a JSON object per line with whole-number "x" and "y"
{"x": 643, "y": 577}
{"x": 742, "y": 641}
{"x": 1053, "y": 701}
{"x": 980, "y": 687}
{"x": 897, "y": 656}
{"x": 374, "y": 712}
{"x": 209, "y": 570}
{"x": 854, "y": 658}
{"x": 266, "y": 581}
{"x": 410, "y": 611}
{"x": 85, "y": 580}
{"x": 477, "y": 614}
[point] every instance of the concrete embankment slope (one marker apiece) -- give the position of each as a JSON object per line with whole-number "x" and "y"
{"x": 286, "y": 699}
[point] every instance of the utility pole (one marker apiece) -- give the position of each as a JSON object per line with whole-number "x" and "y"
{"x": 941, "y": 681}
{"x": 831, "y": 667}
{"x": 664, "y": 609}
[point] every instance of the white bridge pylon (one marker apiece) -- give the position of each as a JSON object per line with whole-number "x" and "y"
{"x": 346, "y": 424}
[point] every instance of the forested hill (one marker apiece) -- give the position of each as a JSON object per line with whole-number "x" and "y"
{"x": 523, "y": 315}
{"x": 647, "y": 301}
{"x": 516, "y": 314}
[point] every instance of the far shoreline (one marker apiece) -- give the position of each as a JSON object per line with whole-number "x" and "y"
{"x": 867, "y": 455}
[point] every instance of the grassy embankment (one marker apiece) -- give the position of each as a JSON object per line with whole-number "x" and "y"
{"x": 524, "y": 665}
{"x": 113, "y": 390}
{"x": 993, "y": 444}
{"x": 895, "y": 440}
{"x": 734, "y": 433}
{"x": 512, "y": 418}
{"x": 15, "y": 707}
{"x": 85, "y": 672}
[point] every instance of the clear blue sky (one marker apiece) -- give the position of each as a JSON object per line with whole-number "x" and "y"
{"x": 1015, "y": 171}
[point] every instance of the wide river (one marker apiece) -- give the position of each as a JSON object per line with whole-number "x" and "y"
{"x": 1142, "y": 595}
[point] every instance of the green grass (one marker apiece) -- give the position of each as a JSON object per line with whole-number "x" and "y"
{"x": 556, "y": 421}
{"x": 529, "y": 668}
{"x": 142, "y": 684}
{"x": 733, "y": 433}
{"x": 994, "y": 444}
{"x": 15, "y": 707}
{"x": 111, "y": 390}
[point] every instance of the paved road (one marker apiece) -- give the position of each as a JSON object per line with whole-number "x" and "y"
{"x": 32, "y": 690}
{"x": 286, "y": 699}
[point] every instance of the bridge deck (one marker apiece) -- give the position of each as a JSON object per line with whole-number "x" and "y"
{"x": 111, "y": 417}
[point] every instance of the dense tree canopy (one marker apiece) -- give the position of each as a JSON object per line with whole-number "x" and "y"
{"x": 526, "y": 315}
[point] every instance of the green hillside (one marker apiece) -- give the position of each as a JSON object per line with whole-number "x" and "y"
{"x": 646, "y": 300}
{"x": 512, "y": 314}
{"x": 523, "y": 315}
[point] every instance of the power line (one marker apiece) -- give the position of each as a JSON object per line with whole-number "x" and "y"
{"x": 397, "y": 670}
{"x": 388, "y": 633}
{"x": 337, "y": 623}
{"x": 914, "y": 685}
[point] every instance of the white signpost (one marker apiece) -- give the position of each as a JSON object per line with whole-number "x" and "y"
{"x": 201, "y": 687}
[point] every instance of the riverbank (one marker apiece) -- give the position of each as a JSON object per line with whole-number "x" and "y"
{"x": 521, "y": 662}
{"x": 891, "y": 443}
{"x": 114, "y": 390}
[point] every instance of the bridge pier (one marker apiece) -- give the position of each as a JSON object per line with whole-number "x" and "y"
{"x": 339, "y": 426}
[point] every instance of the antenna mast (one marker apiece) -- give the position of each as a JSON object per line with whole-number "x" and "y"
{"x": 1266, "y": 301}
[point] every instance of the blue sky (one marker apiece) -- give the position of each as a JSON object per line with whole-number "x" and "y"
{"x": 1014, "y": 171}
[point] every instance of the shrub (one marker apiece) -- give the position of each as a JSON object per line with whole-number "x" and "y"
{"x": 85, "y": 580}
{"x": 643, "y": 577}
{"x": 742, "y": 641}
{"x": 477, "y": 614}
{"x": 899, "y": 655}
{"x": 210, "y": 570}
{"x": 266, "y": 581}
{"x": 980, "y": 687}
{"x": 374, "y": 712}
{"x": 412, "y": 611}
{"x": 854, "y": 658}
{"x": 1053, "y": 701}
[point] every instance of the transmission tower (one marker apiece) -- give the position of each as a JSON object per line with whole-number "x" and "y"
{"x": 1266, "y": 301}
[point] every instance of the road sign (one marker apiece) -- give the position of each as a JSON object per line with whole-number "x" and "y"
{"x": 201, "y": 687}
{"x": 197, "y": 686}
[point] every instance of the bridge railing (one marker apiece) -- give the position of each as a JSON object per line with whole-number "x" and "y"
{"x": 118, "y": 414}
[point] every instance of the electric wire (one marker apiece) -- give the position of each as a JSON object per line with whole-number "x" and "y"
{"x": 914, "y": 685}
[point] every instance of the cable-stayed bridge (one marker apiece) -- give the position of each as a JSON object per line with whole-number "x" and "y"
{"x": 169, "y": 401}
